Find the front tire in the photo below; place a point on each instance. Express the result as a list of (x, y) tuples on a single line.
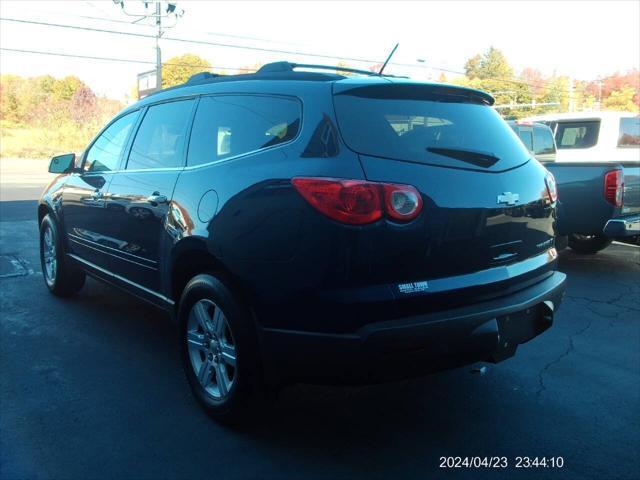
[(588, 244), (219, 352), (62, 277)]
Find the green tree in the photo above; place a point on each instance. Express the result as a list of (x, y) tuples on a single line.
[(9, 103), (65, 88), (472, 67), (495, 65), (557, 91), (178, 69), (621, 100), (491, 64)]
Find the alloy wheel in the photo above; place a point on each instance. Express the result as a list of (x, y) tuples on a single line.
[(211, 348), (49, 255)]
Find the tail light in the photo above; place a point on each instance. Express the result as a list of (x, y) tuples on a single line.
[(358, 202), (614, 187), (552, 187)]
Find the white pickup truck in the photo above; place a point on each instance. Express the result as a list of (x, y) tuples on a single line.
[(597, 168)]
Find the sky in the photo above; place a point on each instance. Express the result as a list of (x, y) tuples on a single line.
[(582, 39)]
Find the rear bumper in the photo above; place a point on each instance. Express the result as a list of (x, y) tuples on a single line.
[(623, 227), (416, 345)]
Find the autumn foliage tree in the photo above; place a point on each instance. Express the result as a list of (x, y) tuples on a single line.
[(490, 71), (491, 64), (42, 116), (178, 69)]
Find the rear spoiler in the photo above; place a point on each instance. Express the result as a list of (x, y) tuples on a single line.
[(397, 89)]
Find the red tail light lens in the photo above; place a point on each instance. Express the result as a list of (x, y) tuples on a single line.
[(614, 187), (552, 187), (358, 202), (355, 202)]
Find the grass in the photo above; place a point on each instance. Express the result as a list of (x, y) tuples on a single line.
[(35, 142)]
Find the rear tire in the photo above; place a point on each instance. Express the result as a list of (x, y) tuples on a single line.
[(61, 276), (219, 351), (588, 244)]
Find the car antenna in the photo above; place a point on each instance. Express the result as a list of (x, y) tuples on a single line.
[(388, 58)]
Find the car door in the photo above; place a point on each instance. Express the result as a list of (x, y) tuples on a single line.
[(83, 201), (139, 196)]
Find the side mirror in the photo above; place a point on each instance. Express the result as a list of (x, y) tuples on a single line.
[(63, 163)]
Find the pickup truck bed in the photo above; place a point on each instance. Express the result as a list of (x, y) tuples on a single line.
[(583, 210)]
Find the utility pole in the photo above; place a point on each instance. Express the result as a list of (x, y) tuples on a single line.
[(599, 82), (170, 11), (571, 103), (158, 53)]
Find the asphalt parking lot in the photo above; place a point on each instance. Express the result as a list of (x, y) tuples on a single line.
[(91, 387)]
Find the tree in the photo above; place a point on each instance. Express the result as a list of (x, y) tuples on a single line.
[(557, 90), (491, 64), (9, 103), (442, 78), (621, 100), (83, 105), (617, 81), (472, 67), (65, 88), (534, 78), (178, 69)]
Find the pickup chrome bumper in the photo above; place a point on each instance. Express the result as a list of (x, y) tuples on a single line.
[(623, 227)]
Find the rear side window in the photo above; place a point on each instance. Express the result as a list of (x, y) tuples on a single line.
[(230, 125), (577, 134), (543, 141), (104, 154), (629, 132), (160, 140), (424, 126), (527, 138)]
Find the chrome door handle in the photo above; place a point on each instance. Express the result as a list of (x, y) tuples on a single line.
[(155, 197)]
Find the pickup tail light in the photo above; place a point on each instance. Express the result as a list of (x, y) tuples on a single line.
[(359, 202), (614, 187), (552, 187)]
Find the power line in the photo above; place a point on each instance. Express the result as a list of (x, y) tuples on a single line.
[(122, 60), (262, 49), (111, 59)]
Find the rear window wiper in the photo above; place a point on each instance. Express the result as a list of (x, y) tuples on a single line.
[(474, 157)]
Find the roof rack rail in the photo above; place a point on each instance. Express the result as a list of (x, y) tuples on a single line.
[(200, 77), (277, 67)]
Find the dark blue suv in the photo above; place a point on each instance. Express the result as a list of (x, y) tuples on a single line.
[(307, 226)]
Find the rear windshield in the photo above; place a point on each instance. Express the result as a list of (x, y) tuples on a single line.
[(629, 132), (426, 128), (577, 134)]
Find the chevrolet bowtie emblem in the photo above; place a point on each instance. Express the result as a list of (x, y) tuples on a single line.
[(508, 198)]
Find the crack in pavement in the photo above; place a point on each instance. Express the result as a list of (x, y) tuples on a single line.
[(630, 291), (570, 348), (611, 302)]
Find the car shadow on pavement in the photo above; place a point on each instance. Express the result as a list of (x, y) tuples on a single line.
[(302, 416)]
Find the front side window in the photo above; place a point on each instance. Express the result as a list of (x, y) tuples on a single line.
[(577, 134), (104, 154), (543, 141), (629, 132), (230, 125), (160, 140)]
